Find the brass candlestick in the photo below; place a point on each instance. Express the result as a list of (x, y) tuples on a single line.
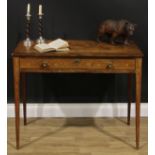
[(40, 40), (27, 41)]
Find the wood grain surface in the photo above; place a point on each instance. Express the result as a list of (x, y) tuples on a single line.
[(77, 136), (84, 48), (75, 65)]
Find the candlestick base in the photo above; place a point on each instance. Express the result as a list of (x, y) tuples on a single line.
[(27, 42), (40, 40)]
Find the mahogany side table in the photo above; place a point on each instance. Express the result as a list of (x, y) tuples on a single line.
[(84, 57)]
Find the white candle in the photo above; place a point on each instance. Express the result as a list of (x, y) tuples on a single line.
[(28, 8), (40, 9)]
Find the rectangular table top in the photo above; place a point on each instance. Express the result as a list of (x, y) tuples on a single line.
[(84, 48)]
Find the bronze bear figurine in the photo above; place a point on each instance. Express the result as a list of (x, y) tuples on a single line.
[(121, 28)]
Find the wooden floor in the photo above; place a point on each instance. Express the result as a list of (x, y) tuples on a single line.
[(77, 136)]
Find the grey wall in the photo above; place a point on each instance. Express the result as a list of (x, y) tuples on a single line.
[(77, 19)]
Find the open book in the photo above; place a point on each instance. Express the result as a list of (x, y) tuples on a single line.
[(56, 45)]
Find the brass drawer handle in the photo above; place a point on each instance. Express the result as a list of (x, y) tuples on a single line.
[(109, 66), (77, 61), (44, 65)]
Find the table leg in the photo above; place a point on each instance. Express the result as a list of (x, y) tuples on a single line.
[(138, 98), (17, 98), (24, 96), (129, 97)]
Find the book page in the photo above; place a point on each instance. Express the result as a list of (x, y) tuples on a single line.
[(63, 50), (59, 43), (43, 46)]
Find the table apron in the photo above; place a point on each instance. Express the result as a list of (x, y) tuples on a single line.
[(60, 65)]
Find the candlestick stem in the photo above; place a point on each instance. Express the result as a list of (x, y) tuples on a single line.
[(40, 40), (27, 41)]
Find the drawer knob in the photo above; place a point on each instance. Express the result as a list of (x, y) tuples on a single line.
[(109, 66), (77, 61), (44, 65)]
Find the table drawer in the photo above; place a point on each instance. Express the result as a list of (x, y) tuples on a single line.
[(106, 65)]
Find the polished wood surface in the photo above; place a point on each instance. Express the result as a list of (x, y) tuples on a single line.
[(78, 136), (84, 49), (83, 57), (75, 64), (16, 71), (138, 98)]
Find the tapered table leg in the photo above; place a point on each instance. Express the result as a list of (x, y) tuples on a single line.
[(17, 98), (138, 98), (24, 97), (129, 97)]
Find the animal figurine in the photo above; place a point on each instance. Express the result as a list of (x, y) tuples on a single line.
[(115, 29)]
